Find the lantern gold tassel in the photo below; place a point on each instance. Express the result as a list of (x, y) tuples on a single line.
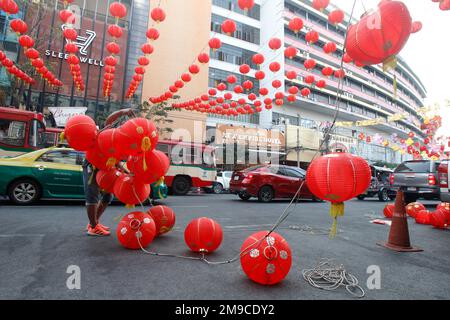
[(145, 146), (130, 206), (111, 163), (62, 137), (336, 210)]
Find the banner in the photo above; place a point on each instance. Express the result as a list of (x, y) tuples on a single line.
[(62, 114)]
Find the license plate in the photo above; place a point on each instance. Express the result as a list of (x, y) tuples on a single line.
[(236, 178), (412, 189)]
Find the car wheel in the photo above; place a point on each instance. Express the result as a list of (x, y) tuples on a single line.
[(181, 186), (361, 197), (383, 195), (218, 188), (24, 192), (244, 196), (265, 194), (410, 198)]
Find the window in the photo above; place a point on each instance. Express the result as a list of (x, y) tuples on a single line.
[(37, 137), (243, 31), (416, 166), (63, 157), (293, 173), (12, 133)]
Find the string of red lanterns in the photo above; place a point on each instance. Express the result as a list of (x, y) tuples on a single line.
[(14, 70)]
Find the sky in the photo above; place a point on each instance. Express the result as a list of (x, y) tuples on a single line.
[(427, 52)]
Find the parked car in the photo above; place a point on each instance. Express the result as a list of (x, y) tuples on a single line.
[(417, 178), (267, 182), (380, 185), (444, 181)]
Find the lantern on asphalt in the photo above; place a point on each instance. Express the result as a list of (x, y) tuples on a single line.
[(136, 230), (203, 235)]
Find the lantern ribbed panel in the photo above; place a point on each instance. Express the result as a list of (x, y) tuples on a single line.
[(381, 35), (338, 177)]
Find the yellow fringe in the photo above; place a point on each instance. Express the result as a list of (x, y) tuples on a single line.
[(146, 145), (111, 163), (130, 206), (62, 137), (336, 210)]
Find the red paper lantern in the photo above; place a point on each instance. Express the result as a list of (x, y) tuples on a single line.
[(158, 15), (413, 208), (80, 132), (136, 230), (336, 16), (290, 52), (327, 71), (18, 26), (248, 85), (309, 79), (296, 24), (389, 210), (107, 178), (26, 41), (330, 47), (67, 16), (312, 37), (143, 61), (32, 53), (137, 135), (164, 218), (215, 43), (229, 27), (157, 163), (291, 75), (310, 64), (9, 6), (445, 207), (293, 90), (438, 219), (129, 191), (203, 235), (109, 144), (263, 91), (320, 4), (423, 217), (274, 67), (221, 86), (305, 92), (444, 5), (113, 48), (246, 4), (258, 59), (380, 35), (147, 48), (231, 79), (275, 44), (338, 177), (340, 74), (260, 75), (118, 10), (152, 34), (244, 69), (276, 84), (266, 259), (321, 84), (203, 58), (111, 61)]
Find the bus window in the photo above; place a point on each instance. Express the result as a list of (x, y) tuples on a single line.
[(163, 148), (36, 138), (12, 133)]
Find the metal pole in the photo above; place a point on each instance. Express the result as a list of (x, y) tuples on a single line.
[(298, 140)]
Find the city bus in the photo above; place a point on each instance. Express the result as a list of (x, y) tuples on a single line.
[(24, 131)]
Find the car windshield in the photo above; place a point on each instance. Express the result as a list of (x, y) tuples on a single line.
[(414, 166), (254, 168)]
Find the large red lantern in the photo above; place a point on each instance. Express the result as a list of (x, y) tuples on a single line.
[(118, 10), (388, 210), (164, 218), (107, 178), (423, 217), (413, 208), (81, 132), (203, 235), (296, 24), (138, 136), (338, 177), (109, 143), (380, 35), (129, 191), (438, 219), (157, 166), (136, 230), (229, 27), (18, 26), (26, 41), (266, 259), (158, 15)]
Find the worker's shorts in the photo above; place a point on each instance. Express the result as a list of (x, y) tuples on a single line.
[(91, 189)]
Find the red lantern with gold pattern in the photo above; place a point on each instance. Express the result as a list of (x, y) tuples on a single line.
[(423, 217), (203, 235), (129, 191), (137, 136), (338, 177), (136, 230), (107, 178), (157, 166), (80, 132), (413, 208), (164, 218), (438, 219), (109, 143), (266, 259)]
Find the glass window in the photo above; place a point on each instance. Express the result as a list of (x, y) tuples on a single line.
[(37, 138), (243, 31), (63, 157), (414, 166), (12, 133), (293, 173)]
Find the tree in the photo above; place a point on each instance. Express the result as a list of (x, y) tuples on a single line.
[(159, 114)]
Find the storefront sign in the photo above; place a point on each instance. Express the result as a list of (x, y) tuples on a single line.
[(62, 115), (226, 134)]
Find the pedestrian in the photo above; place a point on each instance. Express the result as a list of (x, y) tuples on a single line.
[(98, 201)]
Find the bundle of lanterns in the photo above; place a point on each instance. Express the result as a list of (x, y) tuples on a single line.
[(14, 70)]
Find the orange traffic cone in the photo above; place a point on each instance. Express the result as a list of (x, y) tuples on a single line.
[(399, 233)]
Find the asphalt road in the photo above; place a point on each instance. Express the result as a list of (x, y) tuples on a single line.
[(39, 243)]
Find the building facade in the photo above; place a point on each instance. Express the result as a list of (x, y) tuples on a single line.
[(368, 91)]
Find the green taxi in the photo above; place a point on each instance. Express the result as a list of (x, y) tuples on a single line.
[(51, 173)]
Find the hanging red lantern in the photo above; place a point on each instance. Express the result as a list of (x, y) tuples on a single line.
[(80, 132), (258, 59), (305, 92), (340, 73), (113, 48), (37, 63), (129, 191), (293, 90), (136, 230), (147, 48), (71, 48), (296, 24), (444, 5), (291, 75), (330, 47), (246, 4), (221, 86), (157, 165), (260, 75), (266, 259), (291, 98), (274, 67), (215, 43), (109, 144), (290, 52), (107, 178), (309, 79), (152, 34), (18, 26), (229, 27), (203, 235), (444, 206), (67, 16), (389, 211), (137, 136), (336, 16), (111, 61), (263, 91), (310, 64), (164, 218), (275, 44), (423, 217), (327, 71), (9, 6), (231, 79), (321, 84), (244, 69), (186, 77), (194, 69), (312, 37), (338, 177), (320, 4), (276, 84), (158, 15), (118, 10), (32, 53), (413, 208), (143, 61), (203, 58), (372, 44), (26, 41)]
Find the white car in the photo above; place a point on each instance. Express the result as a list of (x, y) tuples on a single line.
[(222, 181)]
